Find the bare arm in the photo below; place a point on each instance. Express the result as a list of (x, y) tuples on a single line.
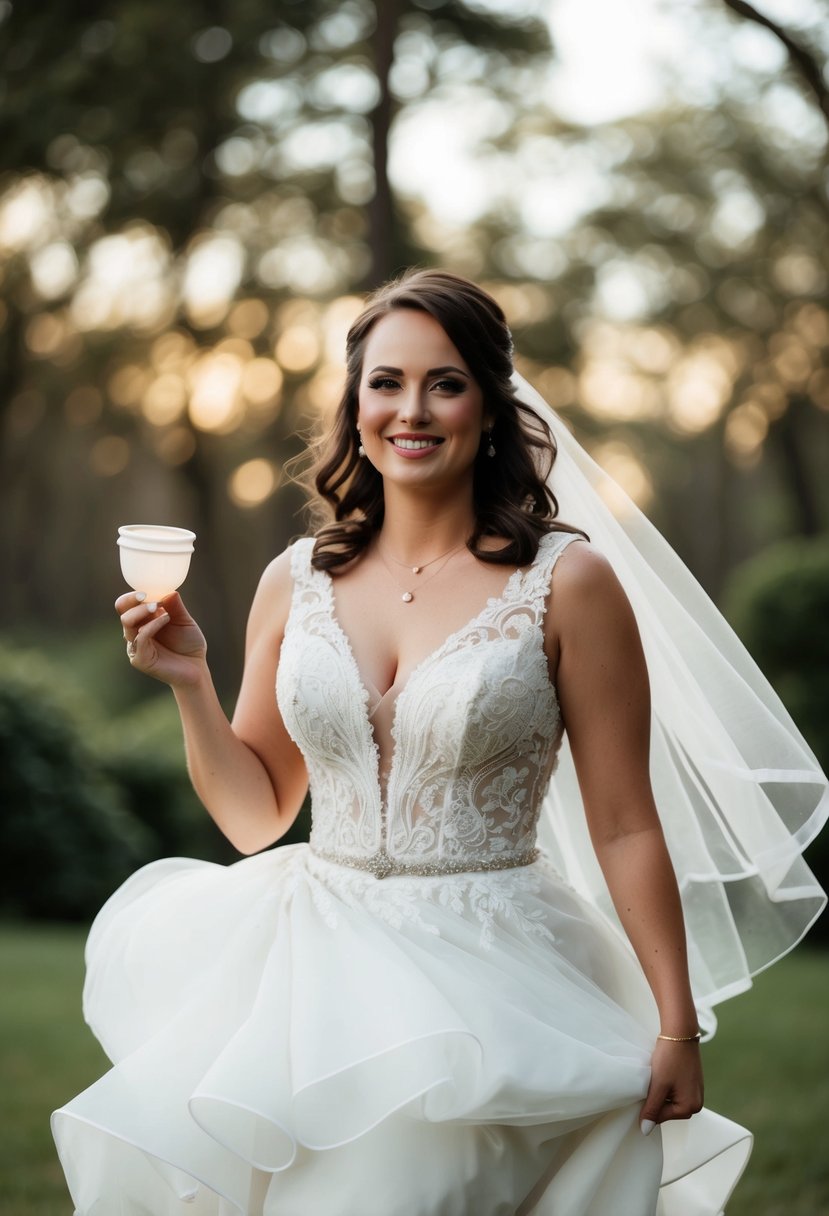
[(605, 702), (249, 775)]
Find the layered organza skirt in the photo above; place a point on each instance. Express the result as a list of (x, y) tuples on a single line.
[(291, 1037)]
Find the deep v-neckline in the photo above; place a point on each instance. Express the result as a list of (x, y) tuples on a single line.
[(494, 601), (383, 781)]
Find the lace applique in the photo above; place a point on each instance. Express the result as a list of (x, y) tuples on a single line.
[(492, 900), (475, 732)]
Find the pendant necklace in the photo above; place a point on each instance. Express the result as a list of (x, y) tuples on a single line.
[(408, 593), (424, 565)]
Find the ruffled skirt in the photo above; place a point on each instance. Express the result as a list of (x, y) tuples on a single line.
[(294, 1038)]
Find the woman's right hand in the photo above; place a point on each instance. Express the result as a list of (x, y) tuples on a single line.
[(162, 639)]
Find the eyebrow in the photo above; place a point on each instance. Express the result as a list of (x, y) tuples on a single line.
[(433, 371)]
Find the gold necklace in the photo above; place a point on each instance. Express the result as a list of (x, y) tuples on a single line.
[(408, 593), (423, 565)]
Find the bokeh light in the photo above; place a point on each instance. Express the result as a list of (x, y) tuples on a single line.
[(253, 482)]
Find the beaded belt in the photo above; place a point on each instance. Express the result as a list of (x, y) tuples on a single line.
[(381, 865)]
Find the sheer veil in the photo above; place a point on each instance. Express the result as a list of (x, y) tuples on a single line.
[(739, 791)]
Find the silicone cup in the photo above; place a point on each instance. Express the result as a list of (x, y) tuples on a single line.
[(154, 558)]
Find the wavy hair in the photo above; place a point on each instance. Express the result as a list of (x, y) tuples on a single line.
[(511, 495)]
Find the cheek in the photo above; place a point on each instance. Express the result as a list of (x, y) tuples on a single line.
[(466, 415), (371, 413)]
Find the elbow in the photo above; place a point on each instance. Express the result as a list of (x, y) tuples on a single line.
[(248, 846), (249, 850), (254, 838), (256, 835)]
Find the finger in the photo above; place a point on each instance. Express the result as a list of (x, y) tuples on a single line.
[(174, 605), (155, 625), (653, 1109), (139, 650), (678, 1109), (128, 600), (134, 618)]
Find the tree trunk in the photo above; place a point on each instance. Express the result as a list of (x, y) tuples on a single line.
[(790, 440), (381, 216)]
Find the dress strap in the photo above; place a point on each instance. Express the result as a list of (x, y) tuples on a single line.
[(309, 585), (535, 586), (301, 569)]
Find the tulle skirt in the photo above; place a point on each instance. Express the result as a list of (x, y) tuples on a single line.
[(291, 1037)]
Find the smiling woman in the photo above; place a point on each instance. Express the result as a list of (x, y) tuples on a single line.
[(428, 412), (457, 368), (422, 981)]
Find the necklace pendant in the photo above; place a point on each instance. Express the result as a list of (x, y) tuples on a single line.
[(407, 597), (416, 569)]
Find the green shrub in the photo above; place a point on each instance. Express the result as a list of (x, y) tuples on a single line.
[(143, 753), (779, 605), (66, 839)]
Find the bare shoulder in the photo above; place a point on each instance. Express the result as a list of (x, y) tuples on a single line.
[(277, 577), (582, 572), (272, 601), (587, 591)]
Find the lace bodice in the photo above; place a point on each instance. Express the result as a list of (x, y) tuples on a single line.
[(475, 732)]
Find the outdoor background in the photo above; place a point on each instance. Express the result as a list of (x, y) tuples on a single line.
[(193, 197)]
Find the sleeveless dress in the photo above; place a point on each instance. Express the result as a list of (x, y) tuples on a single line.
[(413, 1014)]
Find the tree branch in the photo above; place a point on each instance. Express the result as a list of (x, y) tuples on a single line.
[(800, 57)]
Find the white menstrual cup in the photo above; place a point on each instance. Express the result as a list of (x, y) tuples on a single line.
[(155, 559)]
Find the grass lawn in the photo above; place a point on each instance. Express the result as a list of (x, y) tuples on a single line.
[(768, 1068), (47, 1055)]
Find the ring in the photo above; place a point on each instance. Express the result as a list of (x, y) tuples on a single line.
[(132, 649)]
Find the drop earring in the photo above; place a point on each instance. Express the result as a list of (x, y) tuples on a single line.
[(361, 451), (490, 449)]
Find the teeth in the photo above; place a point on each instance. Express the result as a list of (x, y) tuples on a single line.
[(414, 444)]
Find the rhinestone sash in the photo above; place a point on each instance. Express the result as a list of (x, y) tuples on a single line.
[(381, 865)]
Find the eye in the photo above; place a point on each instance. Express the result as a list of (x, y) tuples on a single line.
[(383, 382), (449, 385)]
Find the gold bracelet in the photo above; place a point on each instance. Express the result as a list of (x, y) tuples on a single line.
[(681, 1038)]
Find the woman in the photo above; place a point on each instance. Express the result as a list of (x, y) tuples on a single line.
[(415, 1014)]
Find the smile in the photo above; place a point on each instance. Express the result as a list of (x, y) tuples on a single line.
[(414, 445)]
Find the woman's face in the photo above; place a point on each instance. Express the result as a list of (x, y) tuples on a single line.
[(420, 413)]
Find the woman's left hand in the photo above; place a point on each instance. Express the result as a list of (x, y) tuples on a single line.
[(676, 1089)]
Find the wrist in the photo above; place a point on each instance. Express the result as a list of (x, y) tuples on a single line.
[(194, 682)]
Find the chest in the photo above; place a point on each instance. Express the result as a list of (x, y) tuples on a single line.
[(391, 635), (488, 678)]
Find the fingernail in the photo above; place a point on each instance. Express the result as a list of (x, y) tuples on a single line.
[(152, 607), (141, 596), (647, 1126)]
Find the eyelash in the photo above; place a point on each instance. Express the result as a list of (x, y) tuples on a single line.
[(453, 386)]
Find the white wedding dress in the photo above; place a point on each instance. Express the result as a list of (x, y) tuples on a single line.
[(414, 1014)]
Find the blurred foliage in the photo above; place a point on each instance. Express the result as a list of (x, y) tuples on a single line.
[(191, 199), (142, 754), (66, 839), (712, 249), (185, 196), (90, 788), (778, 602)]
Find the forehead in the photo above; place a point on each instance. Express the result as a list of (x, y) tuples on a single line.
[(406, 338)]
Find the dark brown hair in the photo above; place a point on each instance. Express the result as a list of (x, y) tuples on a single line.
[(511, 496)]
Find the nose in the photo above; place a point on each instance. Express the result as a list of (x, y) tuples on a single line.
[(414, 406)]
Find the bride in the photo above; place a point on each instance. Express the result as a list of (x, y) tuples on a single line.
[(417, 1013)]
